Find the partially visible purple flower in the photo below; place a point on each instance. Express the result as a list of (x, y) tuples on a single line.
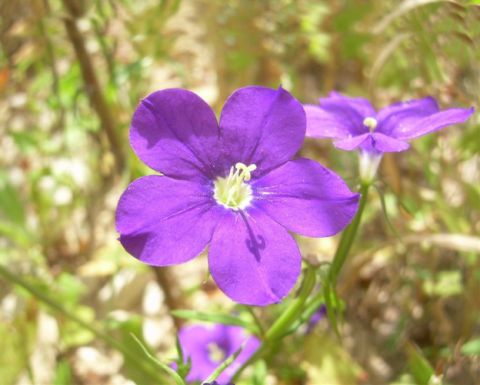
[(232, 185), (216, 383), (316, 318), (354, 124), (208, 347)]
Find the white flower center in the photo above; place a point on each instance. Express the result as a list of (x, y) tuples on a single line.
[(231, 191), (215, 353), (371, 123)]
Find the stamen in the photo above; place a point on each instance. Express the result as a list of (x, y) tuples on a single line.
[(215, 353), (247, 170), (371, 123), (231, 191)]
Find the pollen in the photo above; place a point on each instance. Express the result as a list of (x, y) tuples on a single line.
[(231, 191), (370, 122)]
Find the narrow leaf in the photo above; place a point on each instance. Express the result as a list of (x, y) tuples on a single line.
[(178, 380)]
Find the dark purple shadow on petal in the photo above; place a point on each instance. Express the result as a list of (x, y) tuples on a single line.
[(253, 259), (255, 243), (134, 243)]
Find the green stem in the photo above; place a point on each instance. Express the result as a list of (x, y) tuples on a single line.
[(341, 254), (292, 312), (283, 323), (147, 369), (347, 238)]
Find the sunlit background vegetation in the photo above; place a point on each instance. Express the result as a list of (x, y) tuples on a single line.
[(71, 74)]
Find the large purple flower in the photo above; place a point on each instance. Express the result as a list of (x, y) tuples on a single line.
[(354, 124), (208, 347), (231, 184)]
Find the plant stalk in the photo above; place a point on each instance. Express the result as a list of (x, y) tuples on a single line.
[(39, 295)]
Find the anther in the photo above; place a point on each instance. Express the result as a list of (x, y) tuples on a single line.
[(370, 122)]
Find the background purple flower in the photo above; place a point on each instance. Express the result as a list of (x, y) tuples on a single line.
[(354, 124), (216, 383), (231, 184), (316, 318), (208, 347)]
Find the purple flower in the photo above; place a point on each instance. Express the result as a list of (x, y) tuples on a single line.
[(232, 185), (354, 124), (208, 347), (316, 318), (216, 383)]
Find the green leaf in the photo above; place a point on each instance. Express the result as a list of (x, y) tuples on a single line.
[(444, 284), (178, 380), (419, 366), (471, 348), (260, 373), (10, 204), (137, 347), (225, 364), (63, 374)]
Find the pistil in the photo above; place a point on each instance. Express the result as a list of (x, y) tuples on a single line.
[(371, 123), (232, 191)]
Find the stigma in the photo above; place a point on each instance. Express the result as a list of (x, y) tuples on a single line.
[(231, 191), (371, 123)]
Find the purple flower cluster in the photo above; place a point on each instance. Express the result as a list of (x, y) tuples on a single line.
[(232, 185), (208, 347), (235, 186)]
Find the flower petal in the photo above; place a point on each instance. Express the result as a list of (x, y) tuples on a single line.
[(352, 143), (432, 123), (253, 259), (384, 143), (262, 126), (306, 198), (175, 132), (194, 341), (361, 105), (324, 124), (237, 337), (164, 221), (394, 118)]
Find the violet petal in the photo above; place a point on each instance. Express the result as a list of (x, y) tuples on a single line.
[(361, 105), (253, 259), (354, 142), (325, 124), (262, 126), (432, 123), (164, 221), (176, 133), (195, 341), (306, 198), (391, 119), (384, 143)]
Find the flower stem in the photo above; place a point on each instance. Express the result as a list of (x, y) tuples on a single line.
[(278, 329), (293, 311), (347, 238)]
